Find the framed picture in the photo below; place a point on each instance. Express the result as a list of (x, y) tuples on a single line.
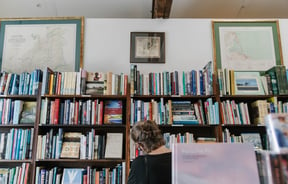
[(248, 83), (246, 45), (27, 44), (147, 47)]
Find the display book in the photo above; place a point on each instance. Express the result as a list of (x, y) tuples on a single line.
[(214, 163)]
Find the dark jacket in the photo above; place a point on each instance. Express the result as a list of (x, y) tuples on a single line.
[(151, 169)]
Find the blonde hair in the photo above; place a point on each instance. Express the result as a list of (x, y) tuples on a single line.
[(147, 134)]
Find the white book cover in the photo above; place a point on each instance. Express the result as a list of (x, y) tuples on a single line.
[(214, 163), (114, 145), (277, 131)]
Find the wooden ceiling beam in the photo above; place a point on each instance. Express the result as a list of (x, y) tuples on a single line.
[(161, 8)]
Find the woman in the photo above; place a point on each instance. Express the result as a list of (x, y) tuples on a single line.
[(154, 166)]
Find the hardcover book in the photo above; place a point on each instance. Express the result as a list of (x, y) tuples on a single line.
[(277, 131), (95, 83), (114, 145), (71, 145), (253, 139), (28, 114), (214, 163), (113, 111)]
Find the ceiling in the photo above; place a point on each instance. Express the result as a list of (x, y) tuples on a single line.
[(143, 8)]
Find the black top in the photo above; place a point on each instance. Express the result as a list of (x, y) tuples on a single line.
[(158, 167)]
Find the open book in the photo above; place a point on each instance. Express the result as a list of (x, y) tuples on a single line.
[(214, 163)]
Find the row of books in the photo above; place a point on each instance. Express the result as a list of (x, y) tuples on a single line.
[(114, 175), (17, 111), (235, 113), (20, 84), (80, 112), (18, 174), (252, 138), (171, 138), (161, 111), (261, 108), (16, 144), (83, 82), (270, 82), (194, 82), (101, 83), (78, 145)]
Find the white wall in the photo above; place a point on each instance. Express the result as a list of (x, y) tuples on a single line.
[(188, 43)]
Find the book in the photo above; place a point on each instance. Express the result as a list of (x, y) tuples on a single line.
[(259, 109), (214, 163), (71, 145), (277, 131), (279, 79), (113, 111), (95, 83), (252, 138), (28, 114), (72, 176), (114, 145)]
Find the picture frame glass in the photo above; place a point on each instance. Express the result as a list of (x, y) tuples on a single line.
[(28, 44), (244, 45), (147, 47)]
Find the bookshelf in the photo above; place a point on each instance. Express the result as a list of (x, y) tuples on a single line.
[(137, 104), (45, 161), (73, 120), (19, 117)]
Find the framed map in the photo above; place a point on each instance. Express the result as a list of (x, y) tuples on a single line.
[(246, 45), (28, 44)]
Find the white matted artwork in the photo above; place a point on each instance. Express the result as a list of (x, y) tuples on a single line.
[(247, 45), (248, 83)]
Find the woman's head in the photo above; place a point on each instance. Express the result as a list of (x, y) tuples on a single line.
[(147, 135)]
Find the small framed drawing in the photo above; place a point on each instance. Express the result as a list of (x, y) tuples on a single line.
[(147, 47), (246, 45), (35, 43), (248, 83)]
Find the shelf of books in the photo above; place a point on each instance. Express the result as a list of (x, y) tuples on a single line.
[(83, 127), (251, 103), (182, 103), (64, 127), (19, 103), (58, 124)]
